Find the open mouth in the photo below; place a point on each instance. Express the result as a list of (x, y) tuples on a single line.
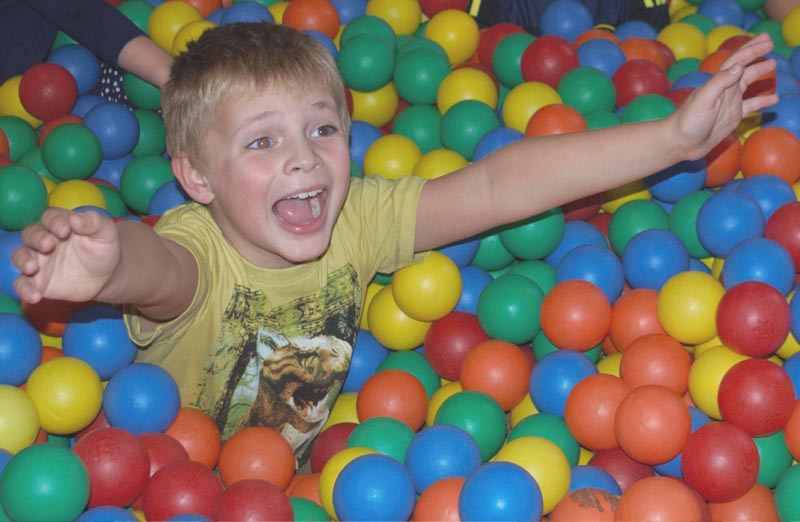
[(302, 208)]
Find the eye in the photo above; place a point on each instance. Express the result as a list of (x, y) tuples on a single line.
[(325, 130), (261, 143)]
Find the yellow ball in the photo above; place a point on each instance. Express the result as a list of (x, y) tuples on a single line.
[(403, 16), (344, 410), (682, 13), (68, 394), (610, 364), (466, 83), (439, 162), (719, 34), (330, 472), (76, 193), (10, 104), (437, 399), (277, 9), (685, 40), (456, 31), (524, 100), (391, 156), (789, 347), (706, 375), (19, 420), (524, 409), (615, 198), (167, 19), (375, 107), (546, 463), (428, 290), (49, 184), (585, 456), (687, 306), (392, 327), (676, 5), (188, 34), (790, 27), (699, 349), (372, 289)]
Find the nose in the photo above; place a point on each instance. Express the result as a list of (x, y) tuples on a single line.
[(301, 156)]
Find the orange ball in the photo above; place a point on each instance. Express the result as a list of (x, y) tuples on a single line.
[(771, 150), (575, 314), (205, 7), (258, 453), (637, 48), (791, 432), (305, 486), (48, 127), (557, 118), (314, 15), (393, 393), (591, 408), (656, 359), (439, 501), (591, 34), (50, 352), (634, 314), (652, 424), (713, 61), (198, 434), (585, 505), (659, 498), (756, 504), (499, 369), (722, 162)]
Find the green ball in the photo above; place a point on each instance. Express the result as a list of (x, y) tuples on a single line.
[(508, 308), (137, 11), (417, 365), (418, 74), (71, 151), (750, 5), (683, 221), (551, 427), (355, 170), (647, 107), (492, 255), (772, 27), (701, 21), (140, 93), (682, 67), (507, 58), (20, 134), (784, 50), (33, 160), (386, 435), (141, 178), (9, 305), (114, 202), (307, 511), (477, 414), (42, 483), (601, 119), (587, 89), (787, 501), (775, 458), (421, 124), (372, 25), (535, 237), (633, 217), (465, 123), (366, 62), (23, 197), (152, 135), (382, 279), (407, 43), (541, 273), (61, 39)]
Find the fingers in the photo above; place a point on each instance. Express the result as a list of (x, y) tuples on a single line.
[(757, 46)]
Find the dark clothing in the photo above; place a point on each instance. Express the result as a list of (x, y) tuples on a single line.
[(28, 28)]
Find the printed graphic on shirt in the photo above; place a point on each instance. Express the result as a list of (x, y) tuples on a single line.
[(281, 367)]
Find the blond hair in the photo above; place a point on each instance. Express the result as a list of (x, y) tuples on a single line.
[(231, 60)]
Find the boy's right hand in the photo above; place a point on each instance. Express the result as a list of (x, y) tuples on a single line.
[(68, 256)]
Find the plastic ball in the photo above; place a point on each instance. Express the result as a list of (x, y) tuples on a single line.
[(456, 31), (257, 452), (679, 180), (332, 470), (329, 442), (783, 227), (576, 315), (507, 55), (20, 349), (554, 377), (566, 18), (759, 259), (596, 265), (587, 89), (705, 377), (449, 340), (492, 255), (465, 123), (396, 394), (687, 306), (524, 100), (499, 369), (166, 197), (495, 140), (753, 318), (414, 363), (466, 83), (76, 193), (101, 513), (181, 488), (601, 54), (428, 290), (439, 501), (71, 151), (367, 354), (12, 106), (187, 34), (586, 505), (141, 94), (419, 73), (588, 476), (366, 62), (547, 59), (141, 397), (141, 178), (167, 19), (116, 128), (590, 408), (477, 414), (632, 218), (252, 499), (391, 156), (635, 78), (535, 237), (625, 470), (306, 509), (647, 107), (349, 9), (756, 504), (391, 326), (162, 449), (421, 124), (97, 335), (555, 119), (44, 482), (9, 242), (440, 452), (656, 359), (551, 427), (500, 491), (634, 314), (373, 487), (658, 498), (771, 150), (362, 136), (47, 91), (509, 308), (684, 40), (652, 257), (19, 419), (81, 63)]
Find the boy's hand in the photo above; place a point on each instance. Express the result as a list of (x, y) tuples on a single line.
[(714, 110), (69, 256)]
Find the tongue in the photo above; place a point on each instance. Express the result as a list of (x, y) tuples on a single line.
[(295, 211)]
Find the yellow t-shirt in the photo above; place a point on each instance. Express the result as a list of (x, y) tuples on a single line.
[(272, 347)]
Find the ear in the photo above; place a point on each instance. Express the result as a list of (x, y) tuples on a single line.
[(194, 182)]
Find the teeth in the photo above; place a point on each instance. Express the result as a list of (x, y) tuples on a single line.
[(306, 195)]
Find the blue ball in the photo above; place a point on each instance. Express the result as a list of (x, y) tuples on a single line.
[(82, 64), (588, 476), (111, 170), (494, 140), (325, 40), (500, 491), (596, 264), (373, 487), (791, 366), (785, 83), (677, 181), (99, 210), (9, 242), (247, 12), (635, 29), (368, 353), (106, 514), (168, 196), (20, 349), (216, 16), (672, 468), (693, 79), (794, 308), (141, 397), (785, 113), (85, 103), (652, 257), (770, 192), (726, 219), (759, 259), (188, 517), (97, 335), (722, 12), (698, 266), (473, 280), (576, 233), (554, 377), (566, 18), (439, 452), (362, 135), (5, 457), (602, 54), (794, 62), (115, 126), (463, 252), (349, 9)]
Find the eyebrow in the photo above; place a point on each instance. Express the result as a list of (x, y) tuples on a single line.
[(321, 105)]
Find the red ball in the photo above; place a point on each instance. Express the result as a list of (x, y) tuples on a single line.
[(431, 7), (783, 227), (757, 395), (448, 341), (48, 91), (253, 499), (635, 78), (582, 209), (313, 15), (547, 59), (329, 442), (625, 470), (4, 145), (720, 461), (179, 488), (753, 318), (396, 394), (491, 36), (162, 450), (118, 466), (575, 315)]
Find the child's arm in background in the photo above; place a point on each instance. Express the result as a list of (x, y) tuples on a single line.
[(534, 175), (85, 256)]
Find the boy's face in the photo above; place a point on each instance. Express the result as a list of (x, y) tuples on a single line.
[(279, 170)]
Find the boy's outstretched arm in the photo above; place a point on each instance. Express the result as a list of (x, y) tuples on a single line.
[(85, 256), (534, 175)]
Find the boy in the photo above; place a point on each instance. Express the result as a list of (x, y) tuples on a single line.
[(251, 295)]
